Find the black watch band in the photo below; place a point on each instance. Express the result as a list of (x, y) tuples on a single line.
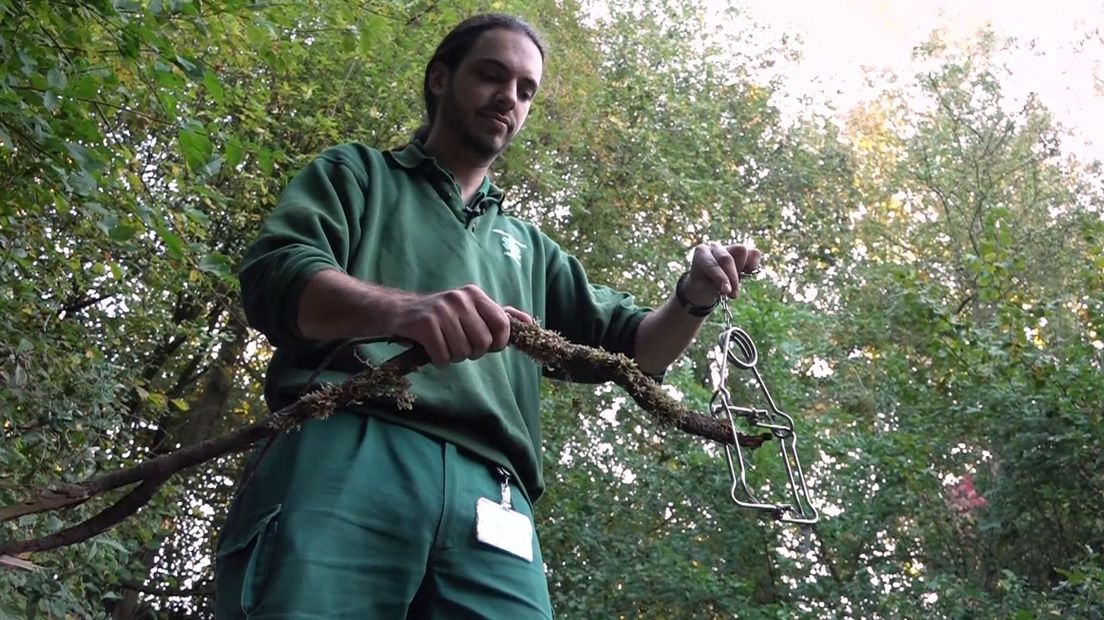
[(692, 309)]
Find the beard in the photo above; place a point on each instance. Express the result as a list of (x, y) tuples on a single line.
[(478, 142)]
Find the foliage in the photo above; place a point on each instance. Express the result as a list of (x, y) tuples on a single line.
[(931, 311)]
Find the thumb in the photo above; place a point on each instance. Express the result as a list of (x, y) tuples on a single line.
[(518, 315)]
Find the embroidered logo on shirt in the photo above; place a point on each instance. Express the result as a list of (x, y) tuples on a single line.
[(511, 246)]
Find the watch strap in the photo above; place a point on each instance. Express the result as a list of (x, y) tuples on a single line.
[(692, 309)]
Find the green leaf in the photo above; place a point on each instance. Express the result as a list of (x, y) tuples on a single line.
[(88, 159), (266, 158), (214, 87), (123, 232), (217, 264), (212, 167), (108, 223), (233, 152), (180, 404), (173, 243), (107, 541), (29, 65), (55, 78), (191, 67), (195, 146), (50, 100), (85, 86), (166, 76), (349, 42), (372, 31), (82, 183), (197, 216)]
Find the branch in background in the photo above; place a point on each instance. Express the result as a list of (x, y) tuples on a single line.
[(105, 520), (82, 302), (387, 380), (207, 589), (14, 562), (962, 306)]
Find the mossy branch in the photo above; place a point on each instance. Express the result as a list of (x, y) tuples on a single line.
[(386, 380)]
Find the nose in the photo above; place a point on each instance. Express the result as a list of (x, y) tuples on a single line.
[(506, 97)]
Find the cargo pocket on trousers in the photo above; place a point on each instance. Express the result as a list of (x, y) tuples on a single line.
[(249, 554)]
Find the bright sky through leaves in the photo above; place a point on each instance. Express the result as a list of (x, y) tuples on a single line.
[(845, 41)]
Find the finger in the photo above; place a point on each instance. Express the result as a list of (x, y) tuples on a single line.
[(479, 335), (704, 269), (487, 324), (433, 341), (754, 261), (739, 254), (454, 330), (520, 315), (493, 329), (726, 276)]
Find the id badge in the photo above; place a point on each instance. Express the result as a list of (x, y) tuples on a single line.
[(503, 528)]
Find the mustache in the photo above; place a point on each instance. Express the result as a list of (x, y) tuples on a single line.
[(494, 112)]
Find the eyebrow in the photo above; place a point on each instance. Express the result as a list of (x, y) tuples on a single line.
[(528, 82)]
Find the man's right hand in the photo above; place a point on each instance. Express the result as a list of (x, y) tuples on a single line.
[(452, 326), (455, 325)]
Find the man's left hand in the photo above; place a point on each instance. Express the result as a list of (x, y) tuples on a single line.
[(715, 270)]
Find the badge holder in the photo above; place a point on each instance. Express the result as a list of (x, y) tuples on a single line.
[(498, 525)]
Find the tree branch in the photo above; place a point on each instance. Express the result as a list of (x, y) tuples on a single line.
[(207, 589), (105, 520), (387, 380)]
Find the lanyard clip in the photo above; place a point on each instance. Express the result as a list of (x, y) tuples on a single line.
[(505, 476)]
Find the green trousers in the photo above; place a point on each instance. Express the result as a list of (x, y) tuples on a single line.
[(352, 517)]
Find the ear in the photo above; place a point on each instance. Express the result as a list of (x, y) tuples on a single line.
[(438, 78)]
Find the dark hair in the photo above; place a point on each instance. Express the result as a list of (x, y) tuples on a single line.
[(455, 47)]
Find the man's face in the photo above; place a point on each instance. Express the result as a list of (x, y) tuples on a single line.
[(485, 101)]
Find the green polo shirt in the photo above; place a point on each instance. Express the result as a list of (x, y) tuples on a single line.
[(396, 219)]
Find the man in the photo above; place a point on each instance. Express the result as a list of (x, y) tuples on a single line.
[(381, 513)]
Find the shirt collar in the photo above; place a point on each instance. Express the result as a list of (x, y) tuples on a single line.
[(414, 155), (410, 156)]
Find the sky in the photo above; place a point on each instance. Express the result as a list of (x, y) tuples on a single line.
[(1062, 56)]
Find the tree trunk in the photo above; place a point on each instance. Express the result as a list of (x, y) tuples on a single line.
[(200, 423)]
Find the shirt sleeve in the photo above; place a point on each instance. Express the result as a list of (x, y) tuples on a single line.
[(587, 313), (314, 226)]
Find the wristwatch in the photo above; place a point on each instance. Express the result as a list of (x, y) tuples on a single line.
[(692, 309)]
